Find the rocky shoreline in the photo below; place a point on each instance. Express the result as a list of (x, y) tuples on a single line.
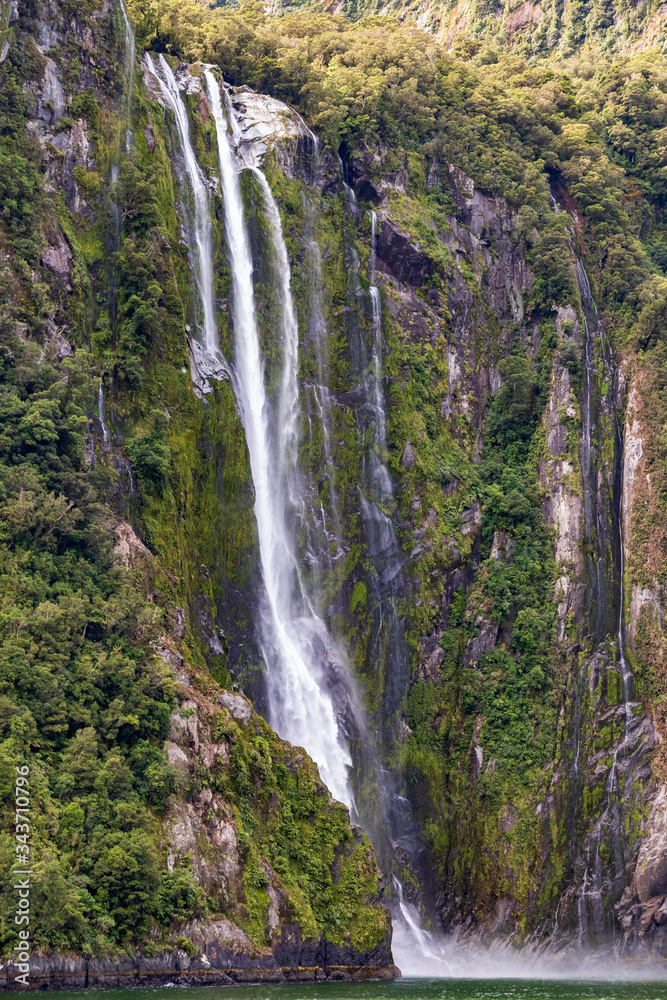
[(323, 962)]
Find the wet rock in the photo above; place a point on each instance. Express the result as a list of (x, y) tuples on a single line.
[(480, 644), (409, 456), (58, 259), (150, 138), (650, 878), (400, 257)]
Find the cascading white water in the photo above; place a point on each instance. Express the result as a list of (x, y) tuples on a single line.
[(289, 389), (128, 72), (417, 952), (200, 229), (102, 414), (292, 634)]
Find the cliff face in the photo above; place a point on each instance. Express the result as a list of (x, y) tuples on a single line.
[(531, 29), (478, 525)]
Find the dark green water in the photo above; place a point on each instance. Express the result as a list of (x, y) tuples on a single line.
[(404, 989)]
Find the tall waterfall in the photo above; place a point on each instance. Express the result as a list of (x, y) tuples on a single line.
[(199, 227), (379, 470), (128, 74), (331, 546), (295, 642), (602, 858)]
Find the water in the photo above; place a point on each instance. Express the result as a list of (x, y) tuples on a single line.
[(321, 395), (289, 389), (200, 228), (416, 951), (102, 414), (626, 672), (128, 74), (505, 988), (379, 471), (602, 518), (295, 644)]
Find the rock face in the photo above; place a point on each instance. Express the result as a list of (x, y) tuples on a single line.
[(522, 26), (229, 957), (263, 123)]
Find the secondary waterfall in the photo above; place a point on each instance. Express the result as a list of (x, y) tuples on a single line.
[(102, 414), (379, 470), (199, 228), (295, 643), (602, 858), (128, 74)]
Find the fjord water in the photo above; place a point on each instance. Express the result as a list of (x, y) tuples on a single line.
[(406, 989)]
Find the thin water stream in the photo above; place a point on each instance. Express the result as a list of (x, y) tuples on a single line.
[(199, 227), (102, 413), (128, 75), (599, 880)]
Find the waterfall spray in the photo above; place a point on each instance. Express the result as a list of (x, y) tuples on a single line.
[(295, 643)]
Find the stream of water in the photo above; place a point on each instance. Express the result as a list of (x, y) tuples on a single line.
[(199, 227), (295, 642), (601, 879), (128, 74)]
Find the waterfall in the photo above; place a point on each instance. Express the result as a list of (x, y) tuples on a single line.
[(626, 673), (416, 951), (589, 311), (295, 644), (102, 413), (601, 518), (128, 74), (379, 470), (199, 232), (320, 391), (289, 390)]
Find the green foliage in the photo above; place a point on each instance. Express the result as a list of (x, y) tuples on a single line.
[(151, 458), (291, 832), (179, 898), (83, 700)]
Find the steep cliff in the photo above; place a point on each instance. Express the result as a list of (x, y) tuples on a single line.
[(458, 303)]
